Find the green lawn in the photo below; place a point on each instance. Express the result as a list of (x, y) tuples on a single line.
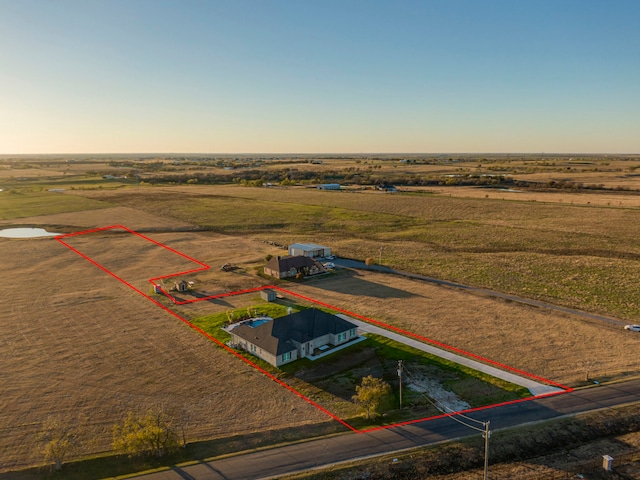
[(212, 324)]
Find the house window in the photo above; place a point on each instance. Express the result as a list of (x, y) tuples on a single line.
[(342, 336), (286, 357), (352, 332), (253, 348)]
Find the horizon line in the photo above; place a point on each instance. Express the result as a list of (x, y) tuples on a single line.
[(351, 154)]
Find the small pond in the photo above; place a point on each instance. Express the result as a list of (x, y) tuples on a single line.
[(26, 233)]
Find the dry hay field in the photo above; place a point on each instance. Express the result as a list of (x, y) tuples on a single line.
[(77, 343), (609, 199), (551, 344), (580, 255), (547, 343)]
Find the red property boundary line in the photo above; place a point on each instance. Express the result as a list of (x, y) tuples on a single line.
[(184, 320), (204, 266)]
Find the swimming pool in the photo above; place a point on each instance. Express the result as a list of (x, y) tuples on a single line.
[(258, 321)]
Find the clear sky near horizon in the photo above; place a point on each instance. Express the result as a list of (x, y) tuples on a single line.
[(352, 76)]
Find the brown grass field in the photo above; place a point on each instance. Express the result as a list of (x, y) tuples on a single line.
[(76, 342), (579, 255)]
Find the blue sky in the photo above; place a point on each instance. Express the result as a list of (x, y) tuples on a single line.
[(250, 76)]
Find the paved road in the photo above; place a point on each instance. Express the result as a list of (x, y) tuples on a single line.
[(536, 388), (343, 262), (306, 455)]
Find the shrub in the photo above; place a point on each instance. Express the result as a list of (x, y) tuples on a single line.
[(150, 434)]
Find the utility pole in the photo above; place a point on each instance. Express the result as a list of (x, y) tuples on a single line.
[(380, 255), (400, 377), (486, 434)]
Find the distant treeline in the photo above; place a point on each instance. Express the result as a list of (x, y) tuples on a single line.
[(364, 177), (352, 177)]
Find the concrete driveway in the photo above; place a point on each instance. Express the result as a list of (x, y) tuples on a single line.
[(536, 388)]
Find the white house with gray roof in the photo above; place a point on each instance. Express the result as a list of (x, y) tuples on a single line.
[(298, 335)]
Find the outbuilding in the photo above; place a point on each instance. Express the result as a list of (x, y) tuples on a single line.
[(309, 250), (268, 295)]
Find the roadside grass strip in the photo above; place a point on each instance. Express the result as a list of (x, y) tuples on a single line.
[(157, 283)]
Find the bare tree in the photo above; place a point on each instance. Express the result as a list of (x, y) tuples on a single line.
[(182, 417), (588, 364)]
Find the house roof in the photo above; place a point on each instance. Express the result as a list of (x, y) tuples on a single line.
[(278, 336), (284, 264)]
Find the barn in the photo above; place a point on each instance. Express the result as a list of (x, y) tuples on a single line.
[(329, 186), (309, 250)]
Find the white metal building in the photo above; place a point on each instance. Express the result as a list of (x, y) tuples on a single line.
[(309, 250)]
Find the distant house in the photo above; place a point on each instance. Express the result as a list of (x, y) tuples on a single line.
[(329, 186), (286, 267), (299, 335), (386, 187), (309, 250)]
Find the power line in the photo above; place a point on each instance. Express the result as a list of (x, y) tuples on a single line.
[(486, 433), (443, 408)]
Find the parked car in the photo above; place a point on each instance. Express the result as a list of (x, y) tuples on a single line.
[(330, 257), (329, 265), (632, 328)]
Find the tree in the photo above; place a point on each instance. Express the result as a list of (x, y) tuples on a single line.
[(588, 364), (370, 393), (181, 421), (151, 434), (60, 438)]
